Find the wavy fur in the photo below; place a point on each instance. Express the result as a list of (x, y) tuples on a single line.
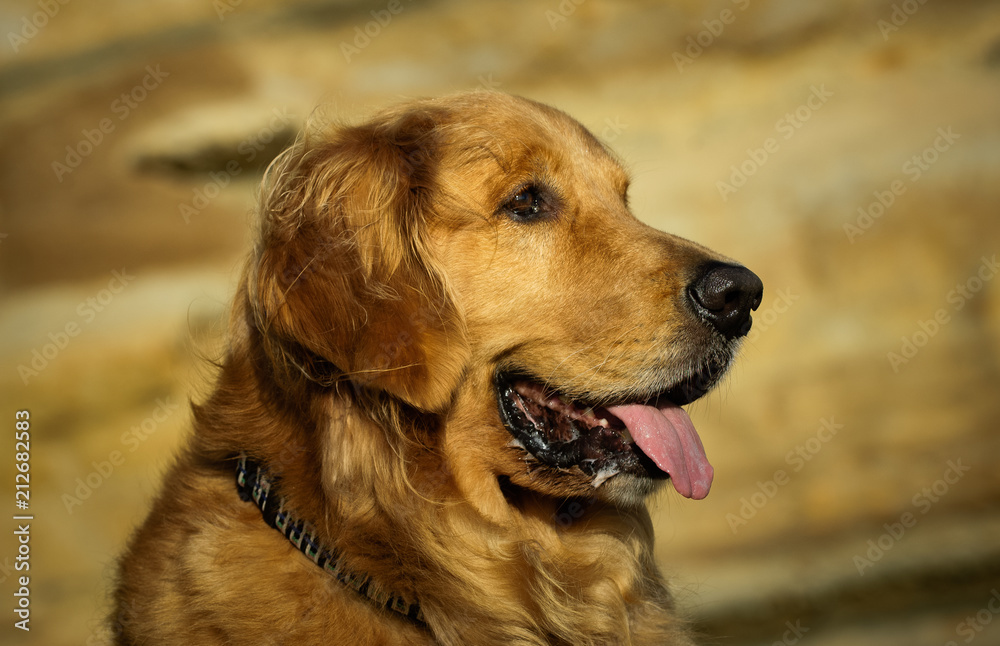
[(384, 291)]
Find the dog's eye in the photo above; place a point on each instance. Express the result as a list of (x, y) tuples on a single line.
[(526, 205)]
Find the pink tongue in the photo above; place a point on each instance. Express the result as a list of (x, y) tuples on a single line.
[(667, 436)]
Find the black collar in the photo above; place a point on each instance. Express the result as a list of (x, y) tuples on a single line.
[(253, 483)]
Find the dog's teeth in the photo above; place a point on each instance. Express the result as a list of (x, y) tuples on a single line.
[(603, 422), (588, 412), (626, 436), (602, 476)]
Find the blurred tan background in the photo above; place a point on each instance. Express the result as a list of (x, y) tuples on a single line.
[(847, 151)]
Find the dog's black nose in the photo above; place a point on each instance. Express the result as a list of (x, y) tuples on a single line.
[(724, 295)]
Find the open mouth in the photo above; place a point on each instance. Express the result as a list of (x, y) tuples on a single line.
[(650, 437)]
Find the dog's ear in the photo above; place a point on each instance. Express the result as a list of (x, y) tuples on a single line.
[(341, 280)]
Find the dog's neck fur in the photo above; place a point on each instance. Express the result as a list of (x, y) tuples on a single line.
[(323, 441)]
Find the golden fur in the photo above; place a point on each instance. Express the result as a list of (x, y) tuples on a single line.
[(384, 293)]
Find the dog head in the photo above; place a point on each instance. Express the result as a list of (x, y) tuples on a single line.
[(474, 259)]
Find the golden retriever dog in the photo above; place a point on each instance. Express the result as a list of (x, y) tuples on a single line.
[(454, 375)]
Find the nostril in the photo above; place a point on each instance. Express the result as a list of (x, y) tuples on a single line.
[(724, 295)]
